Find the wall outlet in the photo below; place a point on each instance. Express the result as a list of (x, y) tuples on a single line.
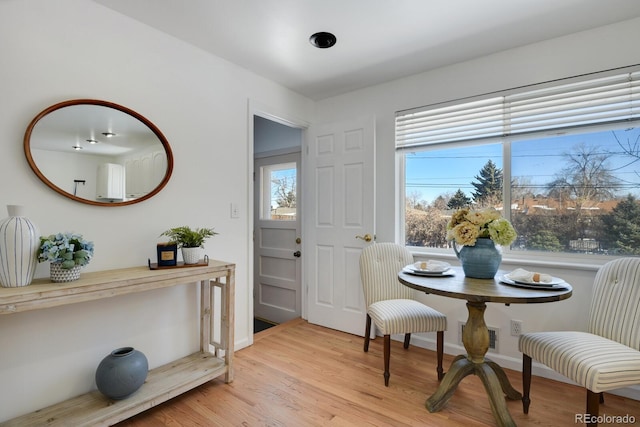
[(516, 327)]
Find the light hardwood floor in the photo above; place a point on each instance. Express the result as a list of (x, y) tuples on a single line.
[(298, 374)]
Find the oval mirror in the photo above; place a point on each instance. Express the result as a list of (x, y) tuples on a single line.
[(98, 152)]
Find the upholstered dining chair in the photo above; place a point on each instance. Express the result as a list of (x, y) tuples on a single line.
[(390, 304), (608, 355)]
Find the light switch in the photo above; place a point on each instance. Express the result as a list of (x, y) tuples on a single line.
[(235, 211)]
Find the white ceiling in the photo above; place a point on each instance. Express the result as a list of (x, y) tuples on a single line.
[(378, 40)]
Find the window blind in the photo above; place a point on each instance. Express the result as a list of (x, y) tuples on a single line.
[(600, 100)]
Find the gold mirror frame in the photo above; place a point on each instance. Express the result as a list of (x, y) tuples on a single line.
[(107, 104)]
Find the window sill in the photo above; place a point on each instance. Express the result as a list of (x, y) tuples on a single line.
[(525, 259)]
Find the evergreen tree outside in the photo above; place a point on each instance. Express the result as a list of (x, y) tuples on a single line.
[(459, 200), (622, 227), (488, 188), (544, 240)]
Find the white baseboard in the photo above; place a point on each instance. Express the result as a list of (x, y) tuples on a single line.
[(515, 364)]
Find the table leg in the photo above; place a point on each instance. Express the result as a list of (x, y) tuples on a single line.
[(476, 341), (460, 368), (507, 388), (496, 399)]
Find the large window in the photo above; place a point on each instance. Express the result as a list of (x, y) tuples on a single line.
[(567, 174)]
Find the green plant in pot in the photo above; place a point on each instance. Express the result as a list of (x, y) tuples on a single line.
[(191, 241)]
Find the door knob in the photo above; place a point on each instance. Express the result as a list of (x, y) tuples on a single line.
[(297, 254), (367, 237)]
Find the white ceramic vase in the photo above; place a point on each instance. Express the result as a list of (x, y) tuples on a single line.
[(19, 241), (192, 255)]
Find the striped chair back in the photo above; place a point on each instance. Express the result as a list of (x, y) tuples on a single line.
[(380, 264), (615, 307)]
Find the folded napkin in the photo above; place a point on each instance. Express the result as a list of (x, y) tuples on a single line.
[(520, 274), (431, 265)]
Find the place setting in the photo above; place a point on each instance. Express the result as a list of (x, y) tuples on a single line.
[(522, 278), (429, 268)]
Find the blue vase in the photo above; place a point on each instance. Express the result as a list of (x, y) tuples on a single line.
[(122, 373), (481, 261)]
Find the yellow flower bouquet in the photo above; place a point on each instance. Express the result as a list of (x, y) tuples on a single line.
[(466, 226)]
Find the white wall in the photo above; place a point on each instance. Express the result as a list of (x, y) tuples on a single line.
[(54, 51), (591, 51), (270, 137)]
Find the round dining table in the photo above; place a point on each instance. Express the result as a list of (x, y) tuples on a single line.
[(475, 336)]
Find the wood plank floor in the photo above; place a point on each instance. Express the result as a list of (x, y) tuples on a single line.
[(298, 374)]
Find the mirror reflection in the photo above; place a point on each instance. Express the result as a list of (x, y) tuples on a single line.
[(98, 152)]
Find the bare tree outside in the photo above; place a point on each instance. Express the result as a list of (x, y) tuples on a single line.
[(284, 191), (586, 178)]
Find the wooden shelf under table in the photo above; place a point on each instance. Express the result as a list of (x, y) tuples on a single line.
[(162, 384)]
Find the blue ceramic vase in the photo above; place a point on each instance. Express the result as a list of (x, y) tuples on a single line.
[(122, 373), (481, 261)]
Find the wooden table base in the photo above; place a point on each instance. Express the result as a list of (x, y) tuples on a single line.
[(476, 341)]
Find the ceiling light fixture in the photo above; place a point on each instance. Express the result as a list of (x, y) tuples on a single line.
[(322, 40), (77, 147), (92, 141), (109, 134)]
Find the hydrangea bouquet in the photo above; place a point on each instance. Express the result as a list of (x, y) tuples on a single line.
[(69, 249), (466, 226)]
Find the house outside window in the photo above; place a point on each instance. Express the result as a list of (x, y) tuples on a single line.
[(561, 162)]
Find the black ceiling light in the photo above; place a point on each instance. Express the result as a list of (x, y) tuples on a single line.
[(322, 40)]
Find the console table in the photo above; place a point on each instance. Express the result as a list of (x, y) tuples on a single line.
[(214, 358)]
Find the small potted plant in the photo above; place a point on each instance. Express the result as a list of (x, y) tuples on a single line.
[(67, 252), (191, 241)]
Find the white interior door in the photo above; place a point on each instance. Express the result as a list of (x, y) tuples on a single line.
[(277, 244), (341, 206)]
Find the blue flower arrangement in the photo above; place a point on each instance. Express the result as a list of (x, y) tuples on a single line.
[(69, 249)]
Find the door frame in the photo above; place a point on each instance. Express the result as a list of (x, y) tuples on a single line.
[(255, 108)]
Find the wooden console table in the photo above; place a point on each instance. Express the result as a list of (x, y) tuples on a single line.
[(215, 358)]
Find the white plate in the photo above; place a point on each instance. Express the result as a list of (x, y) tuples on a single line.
[(554, 281), (408, 269), (556, 284), (432, 266)]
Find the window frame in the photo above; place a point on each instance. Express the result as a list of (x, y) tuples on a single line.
[(529, 257), (266, 190)]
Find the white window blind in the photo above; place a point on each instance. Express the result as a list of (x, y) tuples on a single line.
[(600, 100)]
